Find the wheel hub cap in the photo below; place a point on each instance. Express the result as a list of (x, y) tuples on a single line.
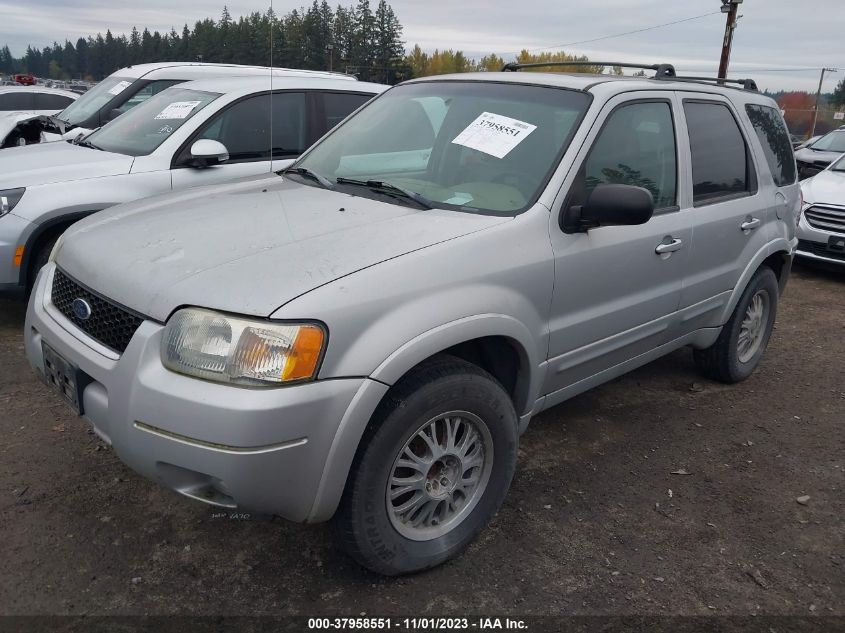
[(439, 475), (753, 328)]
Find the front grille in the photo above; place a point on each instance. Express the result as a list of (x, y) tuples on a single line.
[(110, 324), (826, 218), (820, 249)]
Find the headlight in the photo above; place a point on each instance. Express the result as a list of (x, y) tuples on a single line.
[(228, 349), (9, 198)]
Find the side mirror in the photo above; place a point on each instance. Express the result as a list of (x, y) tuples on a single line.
[(207, 153), (609, 205)]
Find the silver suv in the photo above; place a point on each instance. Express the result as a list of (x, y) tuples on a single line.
[(365, 335)]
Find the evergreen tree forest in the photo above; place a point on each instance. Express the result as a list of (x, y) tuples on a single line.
[(359, 38), (362, 39)]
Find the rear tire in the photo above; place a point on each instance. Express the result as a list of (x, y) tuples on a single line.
[(432, 469), (744, 338)]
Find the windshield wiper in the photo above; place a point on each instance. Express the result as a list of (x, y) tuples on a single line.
[(84, 143), (307, 173), (390, 190)]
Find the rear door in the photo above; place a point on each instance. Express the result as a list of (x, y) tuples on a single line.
[(731, 211)]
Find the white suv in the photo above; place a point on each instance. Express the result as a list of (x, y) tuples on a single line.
[(195, 133), (128, 87)]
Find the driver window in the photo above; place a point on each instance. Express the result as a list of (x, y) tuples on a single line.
[(244, 128), (637, 147)]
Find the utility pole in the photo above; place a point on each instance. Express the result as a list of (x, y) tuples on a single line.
[(818, 100), (730, 7)]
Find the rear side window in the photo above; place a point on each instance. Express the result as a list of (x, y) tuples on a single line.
[(12, 101), (340, 105), (636, 146), (44, 101), (721, 165), (771, 130)]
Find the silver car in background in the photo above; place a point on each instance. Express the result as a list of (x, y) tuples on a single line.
[(191, 134), (821, 229), (364, 335)]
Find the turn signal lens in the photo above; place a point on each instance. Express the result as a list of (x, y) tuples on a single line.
[(223, 348)]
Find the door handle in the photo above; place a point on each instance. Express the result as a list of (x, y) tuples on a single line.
[(671, 247), (750, 224)]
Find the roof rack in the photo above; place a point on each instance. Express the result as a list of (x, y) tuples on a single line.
[(661, 71), (747, 84)]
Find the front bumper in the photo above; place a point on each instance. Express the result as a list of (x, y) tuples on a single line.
[(813, 244), (260, 450)]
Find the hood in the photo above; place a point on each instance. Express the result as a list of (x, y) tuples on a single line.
[(57, 162), (827, 187), (812, 156), (247, 246)]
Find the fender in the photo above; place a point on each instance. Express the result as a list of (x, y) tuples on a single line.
[(779, 245), (59, 217), (357, 416), (453, 333)]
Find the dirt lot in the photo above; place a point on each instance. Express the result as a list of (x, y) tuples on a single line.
[(595, 523)]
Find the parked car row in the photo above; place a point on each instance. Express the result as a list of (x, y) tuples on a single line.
[(128, 87), (363, 334)]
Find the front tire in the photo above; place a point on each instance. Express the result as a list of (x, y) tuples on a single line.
[(433, 468), (744, 338)]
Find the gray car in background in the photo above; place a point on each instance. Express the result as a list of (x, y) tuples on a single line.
[(364, 336), (816, 156)]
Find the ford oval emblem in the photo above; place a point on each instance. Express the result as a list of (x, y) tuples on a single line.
[(81, 309)]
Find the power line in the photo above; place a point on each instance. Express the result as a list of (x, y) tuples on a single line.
[(607, 37)]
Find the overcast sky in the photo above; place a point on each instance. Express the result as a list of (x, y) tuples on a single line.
[(773, 34)]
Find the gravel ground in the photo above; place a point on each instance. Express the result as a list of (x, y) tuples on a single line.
[(659, 493)]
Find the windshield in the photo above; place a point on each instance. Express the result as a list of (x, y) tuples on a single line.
[(833, 142), (838, 165), (480, 146), (141, 130), (92, 101)]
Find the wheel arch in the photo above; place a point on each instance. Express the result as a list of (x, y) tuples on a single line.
[(778, 256), (489, 341), (45, 231)]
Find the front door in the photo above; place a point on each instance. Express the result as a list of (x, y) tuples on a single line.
[(617, 288), (251, 135)]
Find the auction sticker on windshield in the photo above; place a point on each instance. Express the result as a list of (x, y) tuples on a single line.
[(119, 87), (178, 110), (494, 134)]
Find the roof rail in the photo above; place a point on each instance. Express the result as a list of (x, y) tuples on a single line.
[(747, 84), (662, 71)]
